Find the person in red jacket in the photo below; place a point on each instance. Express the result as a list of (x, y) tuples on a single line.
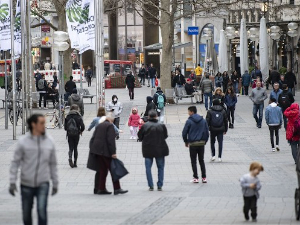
[(292, 114), (133, 123)]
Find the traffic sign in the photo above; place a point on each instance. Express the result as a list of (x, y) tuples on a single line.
[(193, 30)]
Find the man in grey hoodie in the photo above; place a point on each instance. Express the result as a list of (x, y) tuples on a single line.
[(206, 87), (35, 154), (75, 99), (258, 96)]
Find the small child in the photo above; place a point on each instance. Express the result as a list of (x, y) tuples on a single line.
[(250, 187), (134, 122)]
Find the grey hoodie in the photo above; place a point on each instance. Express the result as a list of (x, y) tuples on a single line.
[(37, 159), (76, 99), (115, 107), (258, 95), (245, 181)]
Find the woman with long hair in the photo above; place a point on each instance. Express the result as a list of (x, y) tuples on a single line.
[(218, 94), (230, 102)]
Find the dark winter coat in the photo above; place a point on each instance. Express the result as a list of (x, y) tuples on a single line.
[(130, 81), (77, 117), (274, 77), (280, 102), (150, 105), (230, 100), (153, 136), (179, 80), (103, 140), (189, 88), (70, 85), (290, 79), (246, 80), (223, 128), (220, 97), (195, 129), (152, 72)]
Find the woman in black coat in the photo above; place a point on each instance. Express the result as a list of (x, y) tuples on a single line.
[(225, 81)]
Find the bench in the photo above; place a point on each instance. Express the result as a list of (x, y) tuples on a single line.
[(86, 94), (180, 93)]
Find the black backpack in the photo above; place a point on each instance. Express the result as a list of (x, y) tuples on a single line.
[(285, 100), (72, 128), (217, 119)]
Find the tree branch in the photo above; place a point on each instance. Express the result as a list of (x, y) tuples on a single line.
[(43, 18)]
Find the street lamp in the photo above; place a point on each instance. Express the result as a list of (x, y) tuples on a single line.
[(275, 36), (254, 35), (207, 35), (292, 33), (60, 45), (230, 34)]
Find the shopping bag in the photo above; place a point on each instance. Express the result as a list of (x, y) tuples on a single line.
[(156, 82), (117, 169)]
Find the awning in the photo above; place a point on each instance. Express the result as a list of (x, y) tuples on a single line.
[(157, 46)]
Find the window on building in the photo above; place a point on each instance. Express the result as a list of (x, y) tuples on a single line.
[(292, 2)]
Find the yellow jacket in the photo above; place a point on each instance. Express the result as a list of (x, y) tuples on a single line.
[(198, 71)]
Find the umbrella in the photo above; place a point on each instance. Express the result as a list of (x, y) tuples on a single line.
[(223, 57), (243, 47), (263, 49)]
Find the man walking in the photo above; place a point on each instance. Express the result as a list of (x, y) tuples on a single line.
[(285, 100), (159, 100), (35, 154), (218, 125), (74, 126), (77, 100), (207, 88), (258, 96), (274, 76), (42, 89), (291, 81), (69, 87), (142, 73), (276, 92), (152, 75), (89, 75), (246, 81), (129, 81), (153, 136), (198, 71), (195, 134), (116, 108)]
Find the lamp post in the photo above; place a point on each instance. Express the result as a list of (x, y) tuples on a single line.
[(292, 33), (207, 35), (275, 36), (60, 44), (254, 35), (230, 34)]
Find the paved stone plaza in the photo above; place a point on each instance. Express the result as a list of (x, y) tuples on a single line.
[(181, 202)]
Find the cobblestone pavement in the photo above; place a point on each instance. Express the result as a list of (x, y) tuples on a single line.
[(181, 202)]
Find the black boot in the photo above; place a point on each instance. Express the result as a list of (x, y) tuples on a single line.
[(75, 163), (120, 191), (103, 192), (71, 163)]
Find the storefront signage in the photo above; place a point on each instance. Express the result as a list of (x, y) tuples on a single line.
[(193, 30)]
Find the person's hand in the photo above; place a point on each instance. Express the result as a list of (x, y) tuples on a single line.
[(253, 186), (54, 191), (114, 156), (186, 144), (12, 189)]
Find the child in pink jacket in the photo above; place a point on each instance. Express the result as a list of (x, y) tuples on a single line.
[(134, 122)]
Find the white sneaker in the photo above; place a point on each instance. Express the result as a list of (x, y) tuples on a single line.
[(45, 108), (134, 138), (273, 149), (277, 148), (220, 160), (194, 180), (213, 158), (131, 138)]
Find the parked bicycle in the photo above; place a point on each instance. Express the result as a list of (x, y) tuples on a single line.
[(19, 112), (52, 118)]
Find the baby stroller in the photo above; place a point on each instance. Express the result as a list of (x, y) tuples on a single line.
[(297, 191)]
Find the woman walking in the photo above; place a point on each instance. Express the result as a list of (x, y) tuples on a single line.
[(230, 102), (225, 81), (273, 117), (218, 94)]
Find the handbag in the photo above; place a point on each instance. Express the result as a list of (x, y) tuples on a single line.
[(197, 143), (156, 82), (117, 169)]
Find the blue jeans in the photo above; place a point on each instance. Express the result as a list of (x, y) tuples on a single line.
[(206, 95), (153, 82), (258, 108), (160, 163), (41, 194), (236, 87)]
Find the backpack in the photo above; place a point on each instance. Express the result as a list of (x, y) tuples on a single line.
[(72, 128), (160, 101), (41, 84), (285, 100), (217, 119)]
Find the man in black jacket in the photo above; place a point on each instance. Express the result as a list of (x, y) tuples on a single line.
[(150, 105), (142, 74), (195, 134), (69, 87), (74, 126), (274, 76), (290, 80), (42, 88), (285, 100), (130, 84), (153, 136), (102, 151), (152, 75), (160, 100), (218, 125)]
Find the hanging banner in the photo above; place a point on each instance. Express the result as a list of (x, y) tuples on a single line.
[(5, 25), (81, 24), (17, 31)]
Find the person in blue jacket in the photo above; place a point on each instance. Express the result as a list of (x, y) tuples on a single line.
[(273, 116), (246, 81), (230, 102), (195, 134), (276, 92)]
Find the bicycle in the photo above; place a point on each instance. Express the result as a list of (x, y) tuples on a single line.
[(19, 112), (52, 118)]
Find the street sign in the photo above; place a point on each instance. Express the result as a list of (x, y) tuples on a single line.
[(193, 30)]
